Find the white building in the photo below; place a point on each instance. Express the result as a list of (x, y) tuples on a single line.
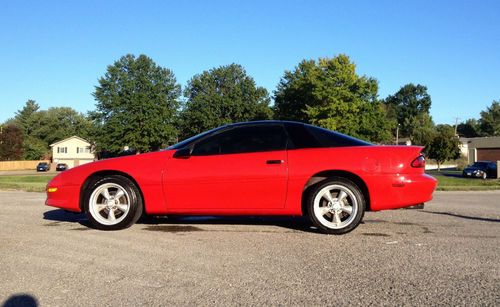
[(73, 151)]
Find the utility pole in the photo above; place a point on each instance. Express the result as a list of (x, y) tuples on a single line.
[(397, 134), (456, 124)]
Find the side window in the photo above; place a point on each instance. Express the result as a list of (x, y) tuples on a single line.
[(243, 139)]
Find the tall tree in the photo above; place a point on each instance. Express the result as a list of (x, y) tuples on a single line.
[(137, 104), (469, 129), (422, 129), (489, 122), (24, 116), (329, 93), (408, 104), (220, 96), (11, 143), (444, 146)]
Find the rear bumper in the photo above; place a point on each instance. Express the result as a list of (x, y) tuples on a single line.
[(402, 190), (66, 197)]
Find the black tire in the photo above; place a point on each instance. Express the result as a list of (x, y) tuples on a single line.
[(101, 219), (354, 199)]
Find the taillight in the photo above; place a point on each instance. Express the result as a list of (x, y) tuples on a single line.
[(418, 162)]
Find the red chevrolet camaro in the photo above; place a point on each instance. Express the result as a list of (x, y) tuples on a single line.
[(254, 168)]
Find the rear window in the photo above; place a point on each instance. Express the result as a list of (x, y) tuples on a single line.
[(307, 136)]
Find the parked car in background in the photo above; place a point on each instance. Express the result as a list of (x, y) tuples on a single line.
[(43, 167), (61, 167), (254, 168), (481, 169)]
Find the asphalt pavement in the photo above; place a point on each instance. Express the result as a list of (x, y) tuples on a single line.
[(445, 254)]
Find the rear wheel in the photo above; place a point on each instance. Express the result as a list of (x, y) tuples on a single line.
[(336, 206), (113, 203)]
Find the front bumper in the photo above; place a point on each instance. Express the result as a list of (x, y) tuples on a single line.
[(65, 197)]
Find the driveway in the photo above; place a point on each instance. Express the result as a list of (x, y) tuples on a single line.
[(446, 254)]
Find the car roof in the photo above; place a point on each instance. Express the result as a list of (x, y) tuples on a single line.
[(263, 122)]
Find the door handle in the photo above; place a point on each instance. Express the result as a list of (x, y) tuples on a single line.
[(274, 161)]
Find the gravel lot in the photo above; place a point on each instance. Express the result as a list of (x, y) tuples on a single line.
[(447, 253)]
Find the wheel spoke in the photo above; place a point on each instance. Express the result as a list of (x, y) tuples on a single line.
[(119, 194), (347, 209), (111, 215), (99, 207), (342, 195), (324, 210), (328, 196), (336, 218), (105, 193), (122, 207)]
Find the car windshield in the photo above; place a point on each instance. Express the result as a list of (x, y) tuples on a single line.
[(192, 139)]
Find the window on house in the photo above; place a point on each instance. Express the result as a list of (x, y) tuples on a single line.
[(87, 149), (62, 149)]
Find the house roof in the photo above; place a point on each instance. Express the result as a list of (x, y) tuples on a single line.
[(71, 137), (485, 142)]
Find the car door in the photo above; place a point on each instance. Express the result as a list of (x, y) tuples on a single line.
[(241, 169)]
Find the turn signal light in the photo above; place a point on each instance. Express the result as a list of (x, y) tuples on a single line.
[(418, 162), (51, 190)]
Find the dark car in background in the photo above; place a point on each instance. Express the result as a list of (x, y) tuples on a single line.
[(481, 169), (61, 167), (43, 167)]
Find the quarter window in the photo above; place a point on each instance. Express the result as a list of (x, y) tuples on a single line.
[(243, 139)]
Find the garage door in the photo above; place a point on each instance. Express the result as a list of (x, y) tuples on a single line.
[(488, 154)]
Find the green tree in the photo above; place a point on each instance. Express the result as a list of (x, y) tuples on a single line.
[(489, 122), (24, 116), (444, 146), (35, 149), (220, 96), (11, 143), (330, 94), (469, 129), (44, 127), (422, 129), (408, 104), (137, 105)]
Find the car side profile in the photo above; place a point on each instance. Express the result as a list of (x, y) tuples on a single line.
[(481, 169), (253, 168)]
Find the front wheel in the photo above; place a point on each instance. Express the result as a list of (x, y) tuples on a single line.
[(336, 206), (113, 203)]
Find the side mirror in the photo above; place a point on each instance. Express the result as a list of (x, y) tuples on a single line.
[(183, 153)]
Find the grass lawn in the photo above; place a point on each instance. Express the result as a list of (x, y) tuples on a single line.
[(451, 180), (29, 183)]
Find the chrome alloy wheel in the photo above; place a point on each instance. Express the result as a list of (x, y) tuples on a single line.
[(109, 204), (335, 206)]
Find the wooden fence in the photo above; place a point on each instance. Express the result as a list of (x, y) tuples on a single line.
[(19, 165)]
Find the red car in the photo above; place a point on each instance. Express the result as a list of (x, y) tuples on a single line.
[(254, 168)]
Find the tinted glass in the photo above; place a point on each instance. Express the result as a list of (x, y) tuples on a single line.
[(307, 136), (193, 139), (480, 164), (243, 139)]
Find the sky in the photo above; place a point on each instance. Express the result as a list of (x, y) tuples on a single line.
[(54, 52)]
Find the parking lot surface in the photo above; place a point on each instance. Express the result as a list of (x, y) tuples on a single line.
[(447, 253)]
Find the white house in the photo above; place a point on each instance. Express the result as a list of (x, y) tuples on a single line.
[(73, 151)]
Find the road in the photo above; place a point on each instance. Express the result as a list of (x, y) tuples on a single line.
[(446, 254)]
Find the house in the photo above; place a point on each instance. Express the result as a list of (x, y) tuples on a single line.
[(483, 149), (73, 151)]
